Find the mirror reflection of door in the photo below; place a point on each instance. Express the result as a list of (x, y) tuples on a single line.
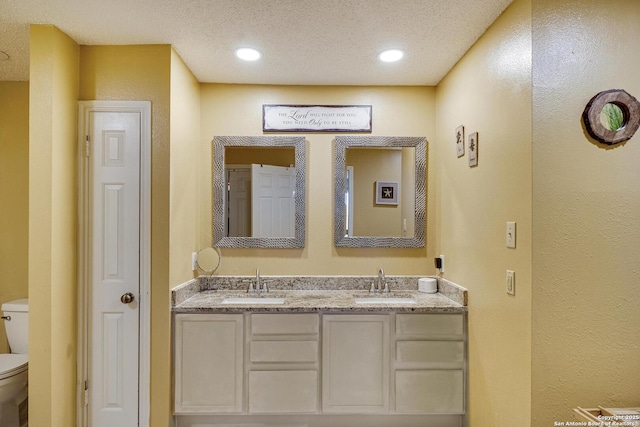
[(261, 201), (272, 201), (239, 201)]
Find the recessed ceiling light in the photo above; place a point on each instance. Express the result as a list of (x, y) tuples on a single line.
[(4, 56), (248, 54), (391, 55)]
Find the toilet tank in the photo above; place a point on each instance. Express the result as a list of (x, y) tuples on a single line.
[(18, 327)]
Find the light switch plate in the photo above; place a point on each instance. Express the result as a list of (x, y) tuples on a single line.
[(511, 234)]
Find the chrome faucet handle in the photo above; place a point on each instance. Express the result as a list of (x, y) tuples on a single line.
[(386, 288), (372, 289), (250, 288)]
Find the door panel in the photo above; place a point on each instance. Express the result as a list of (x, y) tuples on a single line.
[(208, 363), (114, 180), (355, 363), (273, 201)]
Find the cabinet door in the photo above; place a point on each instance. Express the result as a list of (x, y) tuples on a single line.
[(355, 364), (208, 363)]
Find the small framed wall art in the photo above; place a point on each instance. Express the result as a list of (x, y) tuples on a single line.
[(473, 149), (387, 192), (460, 141), (612, 117)]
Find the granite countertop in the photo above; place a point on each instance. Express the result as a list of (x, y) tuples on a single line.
[(197, 298)]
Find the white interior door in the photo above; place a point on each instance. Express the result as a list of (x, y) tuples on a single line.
[(114, 262), (239, 209), (272, 201)]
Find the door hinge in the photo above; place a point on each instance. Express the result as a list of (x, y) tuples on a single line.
[(86, 393), (86, 146)]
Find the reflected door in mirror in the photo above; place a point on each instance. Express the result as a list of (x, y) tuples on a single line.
[(239, 207), (273, 207), (261, 201)]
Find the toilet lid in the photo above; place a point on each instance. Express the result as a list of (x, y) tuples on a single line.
[(12, 364)]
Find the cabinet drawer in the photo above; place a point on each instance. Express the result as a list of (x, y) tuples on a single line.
[(430, 391), (283, 392), (430, 351), (284, 324), (284, 351), (429, 324)]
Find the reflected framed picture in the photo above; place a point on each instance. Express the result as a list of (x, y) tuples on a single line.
[(473, 149), (387, 192), (460, 141)]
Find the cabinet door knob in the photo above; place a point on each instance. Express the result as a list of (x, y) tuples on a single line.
[(127, 298)]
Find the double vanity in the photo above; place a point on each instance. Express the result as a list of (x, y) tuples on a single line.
[(319, 346), (318, 351)]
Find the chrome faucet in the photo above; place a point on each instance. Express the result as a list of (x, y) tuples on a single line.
[(382, 286), (257, 288)]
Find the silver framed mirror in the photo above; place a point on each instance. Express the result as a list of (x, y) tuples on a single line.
[(380, 192), (249, 164)]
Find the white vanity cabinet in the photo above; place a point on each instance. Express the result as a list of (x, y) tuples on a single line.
[(208, 363), (283, 363), (429, 363), (316, 363), (355, 363)]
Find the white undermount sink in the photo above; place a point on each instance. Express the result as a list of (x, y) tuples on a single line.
[(253, 300), (385, 300)]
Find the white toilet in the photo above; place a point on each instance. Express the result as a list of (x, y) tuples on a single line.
[(13, 366)]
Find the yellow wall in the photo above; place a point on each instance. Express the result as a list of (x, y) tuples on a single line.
[(143, 73), (489, 91), (369, 166), (52, 227), (185, 138), (237, 110), (14, 198), (586, 210)]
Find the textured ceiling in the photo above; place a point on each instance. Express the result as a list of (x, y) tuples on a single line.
[(318, 42)]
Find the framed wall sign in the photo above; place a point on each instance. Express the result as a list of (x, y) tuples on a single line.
[(316, 118)]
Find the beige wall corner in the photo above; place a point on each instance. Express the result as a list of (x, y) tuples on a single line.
[(52, 227), (489, 92), (586, 198), (14, 218), (185, 150)]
